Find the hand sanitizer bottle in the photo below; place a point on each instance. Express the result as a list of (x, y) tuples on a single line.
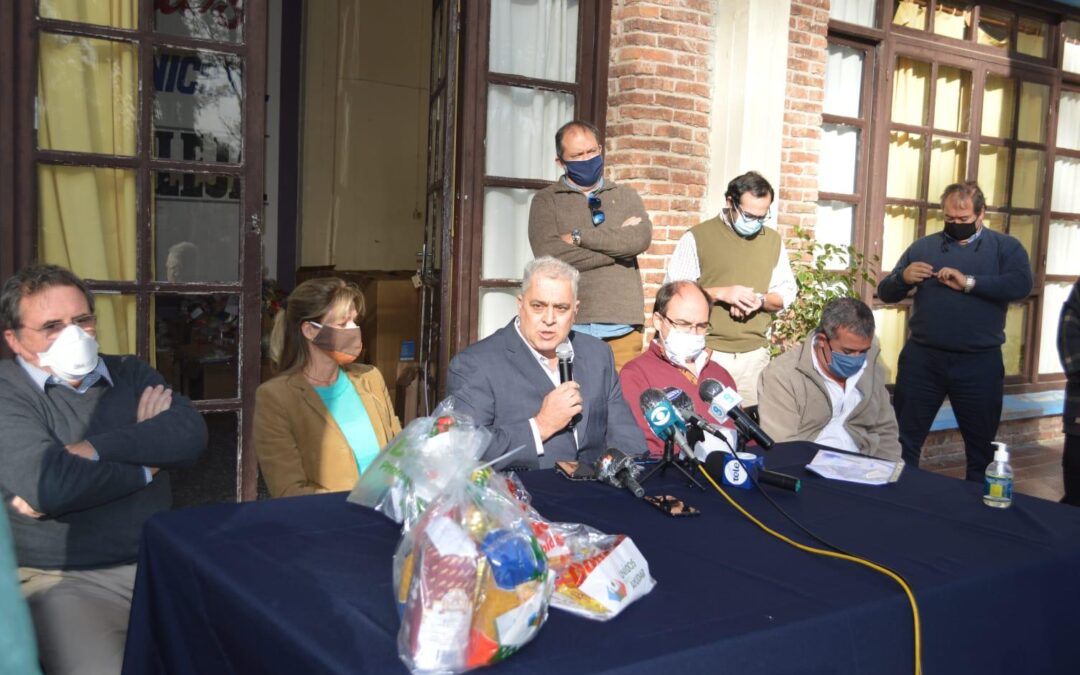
[(997, 490)]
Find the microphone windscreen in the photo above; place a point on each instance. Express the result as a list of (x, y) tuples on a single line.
[(649, 398), (714, 465), (564, 351), (681, 400), (709, 388)]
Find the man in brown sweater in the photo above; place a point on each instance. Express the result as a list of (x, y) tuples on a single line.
[(599, 228)]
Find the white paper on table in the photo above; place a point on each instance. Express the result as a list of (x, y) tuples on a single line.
[(855, 468)]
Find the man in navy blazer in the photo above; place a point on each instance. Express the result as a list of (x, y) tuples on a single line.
[(509, 381)]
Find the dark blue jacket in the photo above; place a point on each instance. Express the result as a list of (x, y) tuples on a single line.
[(952, 320)]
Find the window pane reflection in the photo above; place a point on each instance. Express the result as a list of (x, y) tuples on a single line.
[(196, 227), (221, 20), (198, 99), (196, 341)]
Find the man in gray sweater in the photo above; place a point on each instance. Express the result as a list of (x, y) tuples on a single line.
[(85, 438), (598, 227)]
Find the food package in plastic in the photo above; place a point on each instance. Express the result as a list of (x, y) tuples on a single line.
[(597, 575), (417, 464), (473, 584)]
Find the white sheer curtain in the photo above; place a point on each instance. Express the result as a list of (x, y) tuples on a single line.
[(834, 221), (534, 38), (1054, 296), (1071, 60), (1068, 131), (521, 126), (860, 12), (843, 81), (506, 237), (497, 307), (1066, 196), (1063, 248), (838, 159)]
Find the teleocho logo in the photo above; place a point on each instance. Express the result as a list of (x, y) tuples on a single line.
[(616, 590)]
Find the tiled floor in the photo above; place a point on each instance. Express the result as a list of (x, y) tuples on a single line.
[(1037, 468)]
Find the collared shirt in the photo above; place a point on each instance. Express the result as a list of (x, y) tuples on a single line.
[(553, 375), (844, 399), (100, 372), (684, 265), (43, 377)]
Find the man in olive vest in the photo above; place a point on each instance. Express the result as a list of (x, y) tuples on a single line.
[(745, 268)]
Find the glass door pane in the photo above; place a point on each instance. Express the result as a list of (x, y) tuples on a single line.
[(521, 126), (198, 99), (222, 21), (534, 38), (196, 227)]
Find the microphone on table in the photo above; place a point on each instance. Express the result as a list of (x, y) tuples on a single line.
[(724, 402), (617, 468), (565, 354), (684, 405), (716, 462), (663, 419)]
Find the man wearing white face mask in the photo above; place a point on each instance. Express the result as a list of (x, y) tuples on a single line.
[(85, 437), (677, 356), (745, 268)]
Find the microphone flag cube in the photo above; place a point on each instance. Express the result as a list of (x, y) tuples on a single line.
[(735, 472)]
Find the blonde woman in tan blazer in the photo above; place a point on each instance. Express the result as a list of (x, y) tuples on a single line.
[(322, 418)]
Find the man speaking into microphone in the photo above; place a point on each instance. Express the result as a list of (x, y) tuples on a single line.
[(510, 381), (677, 356)]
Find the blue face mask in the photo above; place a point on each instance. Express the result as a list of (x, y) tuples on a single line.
[(586, 172), (846, 365), (747, 228)]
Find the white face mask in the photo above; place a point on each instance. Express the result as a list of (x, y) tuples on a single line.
[(683, 347), (73, 354)]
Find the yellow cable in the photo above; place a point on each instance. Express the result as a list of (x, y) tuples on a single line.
[(842, 556)]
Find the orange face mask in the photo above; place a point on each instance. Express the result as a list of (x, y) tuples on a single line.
[(342, 344)]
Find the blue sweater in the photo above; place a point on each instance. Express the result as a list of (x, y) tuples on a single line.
[(952, 320)]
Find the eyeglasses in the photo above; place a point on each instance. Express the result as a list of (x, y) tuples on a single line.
[(751, 217), (598, 217), (686, 326), (53, 328)]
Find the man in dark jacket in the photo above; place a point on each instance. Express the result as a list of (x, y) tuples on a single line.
[(85, 438), (964, 279), (1069, 351)]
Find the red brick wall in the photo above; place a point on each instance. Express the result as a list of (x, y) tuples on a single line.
[(659, 99), (803, 102)]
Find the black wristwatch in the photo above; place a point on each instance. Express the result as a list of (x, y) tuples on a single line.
[(575, 237)]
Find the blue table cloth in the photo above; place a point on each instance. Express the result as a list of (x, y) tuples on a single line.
[(303, 585)]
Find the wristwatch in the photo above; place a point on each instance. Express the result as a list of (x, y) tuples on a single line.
[(575, 237), (969, 283), (761, 299)]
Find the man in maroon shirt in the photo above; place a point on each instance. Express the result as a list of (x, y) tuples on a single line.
[(677, 356)]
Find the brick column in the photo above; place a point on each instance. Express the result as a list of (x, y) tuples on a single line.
[(803, 103), (659, 98)]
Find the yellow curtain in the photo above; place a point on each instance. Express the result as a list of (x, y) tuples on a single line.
[(1012, 352), (891, 330), (898, 234), (86, 103), (910, 13)]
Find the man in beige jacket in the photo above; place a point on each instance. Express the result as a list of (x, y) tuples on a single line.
[(831, 389)]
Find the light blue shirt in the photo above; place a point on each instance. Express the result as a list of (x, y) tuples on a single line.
[(351, 416), (603, 331)]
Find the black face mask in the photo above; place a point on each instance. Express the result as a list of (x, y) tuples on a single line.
[(961, 231)]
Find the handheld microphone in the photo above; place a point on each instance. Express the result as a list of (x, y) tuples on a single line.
[(565, 353), (616, 468), (684, 405), (663, 419), (724, 402)]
